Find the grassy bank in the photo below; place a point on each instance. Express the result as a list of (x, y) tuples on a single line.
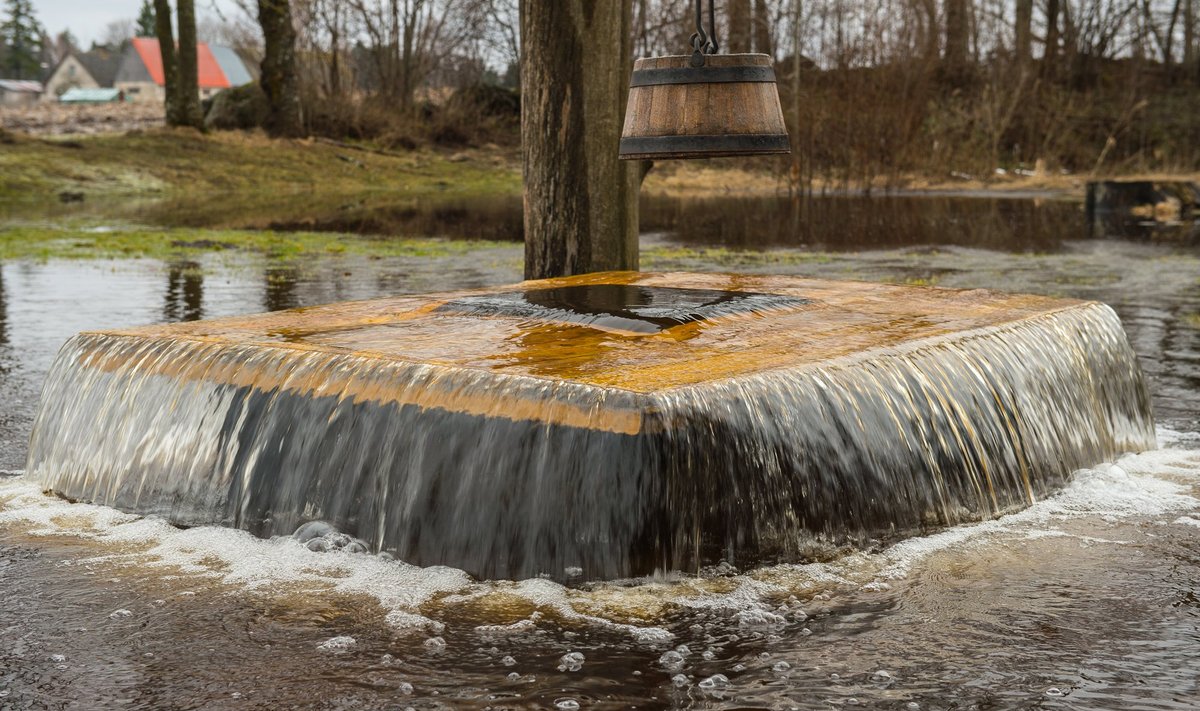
[(233, 170), (174, 163), (83, 242), (88, 242)]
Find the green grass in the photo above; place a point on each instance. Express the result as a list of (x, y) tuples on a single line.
[(45, 243), (654, 257), (174, 163)]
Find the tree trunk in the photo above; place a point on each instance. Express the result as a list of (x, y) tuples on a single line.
[(1023, 46), (408, 58), (279, 80), (1191, 53), (166, 50), (580, 200), (1050, 56), (738, 28), (958, 35), (189, 84), (762, 29)]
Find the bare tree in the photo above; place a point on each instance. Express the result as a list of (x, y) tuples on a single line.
[(1023, 31), (166, 49), (739, 28), (279, 81), (189, 67)]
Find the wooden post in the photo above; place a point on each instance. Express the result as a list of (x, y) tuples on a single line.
[(580, 201)]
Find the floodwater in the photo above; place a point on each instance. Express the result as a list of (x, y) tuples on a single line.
[(1088, 600)]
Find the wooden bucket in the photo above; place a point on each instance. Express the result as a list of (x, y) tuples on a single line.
[(727, 107)]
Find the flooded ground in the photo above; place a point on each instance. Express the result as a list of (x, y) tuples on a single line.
[(1091, 599)]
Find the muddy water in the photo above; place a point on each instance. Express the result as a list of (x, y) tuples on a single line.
[(1090, 599)]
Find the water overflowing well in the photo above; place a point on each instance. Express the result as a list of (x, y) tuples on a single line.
[(614, 423)]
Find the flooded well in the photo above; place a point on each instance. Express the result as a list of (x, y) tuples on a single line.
[(614, 425), (1085, 599)]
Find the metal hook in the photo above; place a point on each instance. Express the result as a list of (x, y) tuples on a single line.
[(704, 42)]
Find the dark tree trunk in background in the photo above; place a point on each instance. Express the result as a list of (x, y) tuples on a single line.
[(1023, 47), (580, 200), (166, 48), (958, 35), (189, 85), (1050, 56), (279, 80), (762, 28), (1191, 52), (738, 27)]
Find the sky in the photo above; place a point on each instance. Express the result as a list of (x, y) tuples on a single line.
[(87, 19)]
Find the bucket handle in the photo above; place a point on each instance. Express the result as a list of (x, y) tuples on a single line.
[(704, 42)]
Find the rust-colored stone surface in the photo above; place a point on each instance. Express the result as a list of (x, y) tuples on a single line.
[(837, 320)]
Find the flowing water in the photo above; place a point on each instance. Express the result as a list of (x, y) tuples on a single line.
[(1088, 599), (492, 432)]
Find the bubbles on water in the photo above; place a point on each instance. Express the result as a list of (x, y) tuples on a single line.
[(513, 676), (405, 688), (566, 704), (680, 681), (708, 655), (571, 661), (912, 706), (400, 619), (780, 667), (806, 631), (739, 668), (508, 661), (573, 572), (435, 644), (58, 658), (387, 660), (322, 537), (881, 677), (119, 614), (313, 529), (338, 645), (715, 684), (671, 660), (1055, 691), (759, 618)]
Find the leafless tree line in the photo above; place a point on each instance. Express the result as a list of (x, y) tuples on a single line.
[(873, 89)]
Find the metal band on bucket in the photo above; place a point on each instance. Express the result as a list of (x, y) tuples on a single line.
[(713, 144), (703, 75)]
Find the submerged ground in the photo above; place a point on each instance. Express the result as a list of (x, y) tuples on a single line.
[(1087, 600)]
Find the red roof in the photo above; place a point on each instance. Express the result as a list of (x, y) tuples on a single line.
[(211, 76)]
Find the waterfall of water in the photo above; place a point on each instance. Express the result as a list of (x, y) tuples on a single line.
[(615, 423)]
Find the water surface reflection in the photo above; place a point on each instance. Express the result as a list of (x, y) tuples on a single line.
[(1089, 601)]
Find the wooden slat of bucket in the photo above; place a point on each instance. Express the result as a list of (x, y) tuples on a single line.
[(726, 118)]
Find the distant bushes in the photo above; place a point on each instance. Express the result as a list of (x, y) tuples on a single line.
[(883, 125), (472, 116)]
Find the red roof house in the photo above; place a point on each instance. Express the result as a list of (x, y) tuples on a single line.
[(141, 73)]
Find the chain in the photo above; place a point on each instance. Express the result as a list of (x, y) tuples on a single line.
[(704, 42)]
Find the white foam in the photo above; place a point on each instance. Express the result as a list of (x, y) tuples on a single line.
[(1160, 486)]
